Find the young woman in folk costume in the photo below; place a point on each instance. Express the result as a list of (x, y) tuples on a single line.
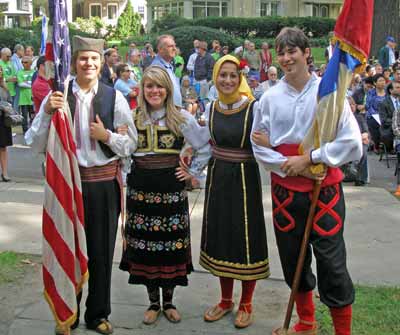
[(157, 232), (233, 243)]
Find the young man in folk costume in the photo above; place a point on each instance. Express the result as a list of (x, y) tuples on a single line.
[(98, 113), (284, 115)]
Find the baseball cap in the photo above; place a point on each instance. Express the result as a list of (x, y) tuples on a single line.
[(254, 77), (390, 39)]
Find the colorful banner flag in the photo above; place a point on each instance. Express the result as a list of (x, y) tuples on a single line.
[(353, 41)]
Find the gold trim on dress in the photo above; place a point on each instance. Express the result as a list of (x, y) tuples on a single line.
[(260, 270), (231, 111), (233, 265), (246, 222), (245, 125), (217, 271), (207, 202), (141, 137), (211, 121)]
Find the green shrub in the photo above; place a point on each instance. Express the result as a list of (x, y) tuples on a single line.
[(11, 36), (140, 40), (168, 22), (184, 37), (266, 27)]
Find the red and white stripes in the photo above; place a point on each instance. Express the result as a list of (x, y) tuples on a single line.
[(64, 242)]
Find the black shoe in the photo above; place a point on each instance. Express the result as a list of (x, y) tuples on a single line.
[(5, 179), (359, 183), (75, 324)]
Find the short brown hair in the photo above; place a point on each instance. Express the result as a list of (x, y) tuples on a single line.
[(121, 68), (291, 37), (202, 45)]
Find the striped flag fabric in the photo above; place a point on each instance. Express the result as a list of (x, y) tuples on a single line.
[(352, 34), (64, 252)]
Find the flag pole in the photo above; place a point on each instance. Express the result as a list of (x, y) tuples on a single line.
[(302, 255)]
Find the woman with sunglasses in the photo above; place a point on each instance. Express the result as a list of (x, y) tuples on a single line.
[(127, 86)]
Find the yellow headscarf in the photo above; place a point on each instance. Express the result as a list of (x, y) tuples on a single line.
[(243, 88)]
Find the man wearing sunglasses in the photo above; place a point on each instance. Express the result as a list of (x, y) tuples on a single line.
[(24, 83), (9, 73)]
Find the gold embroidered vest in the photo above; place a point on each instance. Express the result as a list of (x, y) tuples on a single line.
[(158, 139)]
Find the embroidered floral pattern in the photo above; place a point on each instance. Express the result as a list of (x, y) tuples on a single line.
[(158, 223), (159, 245), (156, 197)]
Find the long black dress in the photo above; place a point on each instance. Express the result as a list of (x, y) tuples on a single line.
[(233, 242), (5, 132)]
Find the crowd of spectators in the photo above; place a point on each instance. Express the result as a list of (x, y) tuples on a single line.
[(374, 93)]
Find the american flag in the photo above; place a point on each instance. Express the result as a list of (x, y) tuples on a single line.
[(61, 45), (64, 243)]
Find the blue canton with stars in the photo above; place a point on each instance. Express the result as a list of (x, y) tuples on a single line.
[(61, 45)]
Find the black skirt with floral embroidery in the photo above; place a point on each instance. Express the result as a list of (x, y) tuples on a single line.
[(157, 229)]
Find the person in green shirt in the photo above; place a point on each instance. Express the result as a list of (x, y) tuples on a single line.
[(179, 64), (134, 65), (9, 73), (25, 103), (217, 53)]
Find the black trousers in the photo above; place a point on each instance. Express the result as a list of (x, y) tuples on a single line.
[(374, 131), (27, 114), (290, 211), (102, 209)]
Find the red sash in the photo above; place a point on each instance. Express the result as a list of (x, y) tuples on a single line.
[(299, 183)]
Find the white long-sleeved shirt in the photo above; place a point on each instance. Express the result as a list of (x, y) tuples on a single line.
[(191, 61), (286, 115), (121, 145), (196, 136)]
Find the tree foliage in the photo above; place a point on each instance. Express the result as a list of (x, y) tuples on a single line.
[(94, 26), (386, 22), (9, 37), (129, 23), (184, 37)]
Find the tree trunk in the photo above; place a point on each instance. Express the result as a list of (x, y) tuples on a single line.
[(386, 23)]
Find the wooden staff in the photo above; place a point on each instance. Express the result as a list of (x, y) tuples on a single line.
[(302, 255)]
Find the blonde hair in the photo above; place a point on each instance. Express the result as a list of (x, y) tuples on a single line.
[(173, 116)]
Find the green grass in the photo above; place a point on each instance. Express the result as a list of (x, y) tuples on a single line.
[(375, 311), (11, 266), (319, 56)]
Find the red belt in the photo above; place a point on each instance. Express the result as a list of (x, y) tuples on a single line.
[(156, 161), (106, 172), (234, 155)]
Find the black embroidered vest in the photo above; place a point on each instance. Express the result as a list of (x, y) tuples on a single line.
[(160, 140), (103, 106)]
